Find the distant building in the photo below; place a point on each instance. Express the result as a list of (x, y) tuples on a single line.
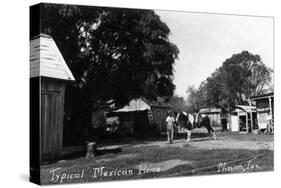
[(139, 114), (159, 115), (241, 119), (265, 110), (214, 115)]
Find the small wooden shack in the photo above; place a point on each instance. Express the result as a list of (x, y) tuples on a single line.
[(139, 113), (240, 119), (159, 114), (48, 68), (265, 108), (214, 114)]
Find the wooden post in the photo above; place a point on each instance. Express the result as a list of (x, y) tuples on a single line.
[(247, 125), (91, 150), (271, 115), (270, 107), (251, 115), (238, 119)]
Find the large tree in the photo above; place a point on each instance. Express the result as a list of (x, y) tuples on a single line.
[(193, 99), (178, 103), (115, 54), (245, 74), (242, 75)]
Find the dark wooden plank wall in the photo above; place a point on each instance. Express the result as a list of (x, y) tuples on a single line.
[(34, 130), (52, 112), (159, 117)]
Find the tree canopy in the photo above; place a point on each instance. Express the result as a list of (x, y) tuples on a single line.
[(178, 103), (240, 76), (115, 54)]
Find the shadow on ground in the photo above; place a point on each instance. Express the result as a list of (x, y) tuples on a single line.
[(109, 148)]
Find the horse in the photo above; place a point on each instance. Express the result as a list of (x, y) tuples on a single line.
[(204, 120), (191, 121), (186, 121)]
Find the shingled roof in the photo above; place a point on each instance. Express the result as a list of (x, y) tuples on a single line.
[(46, 59)]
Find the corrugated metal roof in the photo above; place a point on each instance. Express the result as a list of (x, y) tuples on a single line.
[(46, 59), (210, 110), (244, 108), (134, 105), (266, 95)]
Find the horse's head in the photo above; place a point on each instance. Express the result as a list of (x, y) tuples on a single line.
[(180, 118)]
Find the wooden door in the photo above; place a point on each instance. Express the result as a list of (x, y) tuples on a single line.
[(50, 125), (234, 123)]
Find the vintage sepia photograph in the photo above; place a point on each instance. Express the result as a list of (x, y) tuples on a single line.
[(121, 94)]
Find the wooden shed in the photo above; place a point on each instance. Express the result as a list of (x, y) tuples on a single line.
[(48, 68), (214, 115), (159, 114), (265, 108), (241, 119), (140, 112)]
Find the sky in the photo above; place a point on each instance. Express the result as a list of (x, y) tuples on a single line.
[(206, 40)]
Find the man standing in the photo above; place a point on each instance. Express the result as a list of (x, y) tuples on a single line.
[(170, 127)]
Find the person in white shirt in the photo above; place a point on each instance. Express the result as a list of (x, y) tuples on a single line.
[(170, 127)]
